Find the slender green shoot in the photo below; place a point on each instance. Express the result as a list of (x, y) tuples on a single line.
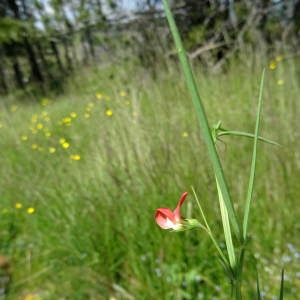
[(208, 230), (227, 229), (253, 163), (246, 134), (281, 285), (258, 287), (202, 119)]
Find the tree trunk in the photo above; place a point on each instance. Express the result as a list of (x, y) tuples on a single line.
[(56, 54), (18, 73), (35, 69)]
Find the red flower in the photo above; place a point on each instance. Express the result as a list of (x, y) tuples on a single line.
[(168, 219)]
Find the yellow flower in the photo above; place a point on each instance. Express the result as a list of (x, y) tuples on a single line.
[(34, 118), (99, 96), (52, 150), (18, 205), (279, 58), (47, 133), (280, 82), (184, 134), (73, 115), (39, 126), (13, 108), (67, 120), (62, 140), (45, 101), (34, 146), (123, 94), (91, 104), (75, 157), (109, 112), (24, 138), (65, 145), (272, 65), (87, 115), (30, 210)]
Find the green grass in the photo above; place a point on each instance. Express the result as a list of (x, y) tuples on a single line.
[(93, 235)]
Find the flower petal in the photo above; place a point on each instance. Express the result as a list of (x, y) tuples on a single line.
[(164, 217), (177, 210)]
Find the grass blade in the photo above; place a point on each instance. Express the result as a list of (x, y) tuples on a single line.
[(246, 134), (253, 163), (281, 285), (202, 119), (258, 287), (227, 230)]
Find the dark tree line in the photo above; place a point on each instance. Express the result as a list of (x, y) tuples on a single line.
[(42, 42)]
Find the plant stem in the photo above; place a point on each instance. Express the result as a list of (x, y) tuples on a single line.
[(214, 157)]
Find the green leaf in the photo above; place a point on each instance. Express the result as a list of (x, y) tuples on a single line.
[(253, 163), (281, 285), (214, 157)]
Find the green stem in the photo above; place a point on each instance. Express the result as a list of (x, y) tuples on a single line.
[(214, 157), (245, 134)]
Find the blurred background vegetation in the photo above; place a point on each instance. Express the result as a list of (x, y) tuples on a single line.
[(98, 130), (44, 41)]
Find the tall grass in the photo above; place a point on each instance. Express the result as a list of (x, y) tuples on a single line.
[(92, 235)]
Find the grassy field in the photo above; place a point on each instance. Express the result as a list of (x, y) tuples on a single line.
[(82, 174)]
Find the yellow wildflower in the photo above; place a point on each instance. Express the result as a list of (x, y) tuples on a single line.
[(109, 112), (75, 157), (184, 134), (280, 82), (39, 126), (18, 205), (62, 140), (34, 146), (279, 58), (24, 138), (99, 96), (67, 120), (73, 115), (87, 115), (30, 210), (13, 108), (272, 65), (52, 150), (123, 94), (45, 101), (34, 118), (65, 145), (47, 133)]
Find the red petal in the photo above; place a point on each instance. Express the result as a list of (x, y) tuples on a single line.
[(162, 215), (177, 210)]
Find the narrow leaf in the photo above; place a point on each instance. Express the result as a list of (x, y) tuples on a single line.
[(214, 157), (253, 163), (281, 285)]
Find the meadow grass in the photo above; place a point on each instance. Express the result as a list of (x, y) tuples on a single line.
[(135, 145)]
